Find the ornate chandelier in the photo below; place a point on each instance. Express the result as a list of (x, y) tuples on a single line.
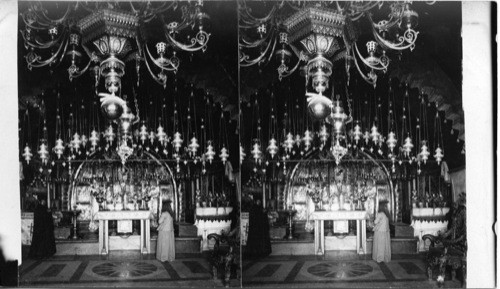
[(322, 37), (103, 37)]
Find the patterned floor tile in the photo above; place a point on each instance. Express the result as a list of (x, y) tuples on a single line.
[(335, 273), (339, 271), (113, 270), (51, 271), (92, 271), (281, 271), (407, 269), (191, 268)]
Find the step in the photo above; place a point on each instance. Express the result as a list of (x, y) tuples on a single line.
[(91, 246), (399, 245), (403, 230), (187, 230)]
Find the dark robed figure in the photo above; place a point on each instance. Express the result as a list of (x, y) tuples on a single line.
[(259, 242), (43, 243)]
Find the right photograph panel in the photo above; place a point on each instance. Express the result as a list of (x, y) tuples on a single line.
[(352, 144)]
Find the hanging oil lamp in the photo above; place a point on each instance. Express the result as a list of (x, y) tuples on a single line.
[(298, 140), (307, 139), (59, 148), (424, 152), (224, 155), (94, 139), (210, 152), (177, 142), (161, 135), (272, 148), (193, 146), (152, 137), (43, 153), (366, 137), (323, 134), (289, 142), (84, 140), (256, 152), (109, 135), (27, 154), (338, 151), (338, 117), (143, 133), (357, 134), (374, 134), (408, 146), (391, 142), (439, 155), (76, 142)]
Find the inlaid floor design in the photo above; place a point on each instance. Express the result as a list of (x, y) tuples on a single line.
[(310, 271), (88, 271)]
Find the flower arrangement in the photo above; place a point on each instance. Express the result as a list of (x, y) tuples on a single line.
[(93, 226), (314, 193)]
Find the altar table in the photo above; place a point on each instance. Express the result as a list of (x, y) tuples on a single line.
[(319, 218), (105, 216)]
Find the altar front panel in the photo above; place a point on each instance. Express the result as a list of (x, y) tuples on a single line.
[(144, 239)]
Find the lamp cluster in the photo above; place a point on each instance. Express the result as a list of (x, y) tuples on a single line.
[(102, 37)]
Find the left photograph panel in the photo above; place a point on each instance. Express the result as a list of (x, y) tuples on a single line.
[(129, 145)]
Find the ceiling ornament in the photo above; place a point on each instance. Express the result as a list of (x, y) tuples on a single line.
[(102, 37)]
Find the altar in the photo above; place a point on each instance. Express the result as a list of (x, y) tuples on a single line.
[(319, 218), (105, 216)]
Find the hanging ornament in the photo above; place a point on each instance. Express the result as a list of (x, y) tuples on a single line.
[(424, 152), (27, 154), (307, 139), (407, 147), (224, 155), (289, 142), (124, 151), (152, 137), (161, 135), (84, 140), (272, 148), (94, 139), (43, 153), (76, 142), (256, 152), (357, 133), (374, 134), (323, 134), (210, 152), (439, 155), (59, 148), (298, 140), (338, 151), (177, 142), (391, 142), (366, 137), (143, 134), (109, 135), (193, 146)]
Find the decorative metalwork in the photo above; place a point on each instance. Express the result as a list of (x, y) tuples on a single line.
[(108, 35), (321, 33)]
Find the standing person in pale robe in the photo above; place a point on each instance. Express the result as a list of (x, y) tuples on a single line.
[(381, 251), (165, 244)]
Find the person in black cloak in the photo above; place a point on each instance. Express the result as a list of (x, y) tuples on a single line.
[(259, 241), (43, 243)]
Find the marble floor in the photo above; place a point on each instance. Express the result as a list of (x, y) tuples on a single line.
[(119, 269), (338, 271)]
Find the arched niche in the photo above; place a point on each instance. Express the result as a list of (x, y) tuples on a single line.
[(355, 174), (141, 168)]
